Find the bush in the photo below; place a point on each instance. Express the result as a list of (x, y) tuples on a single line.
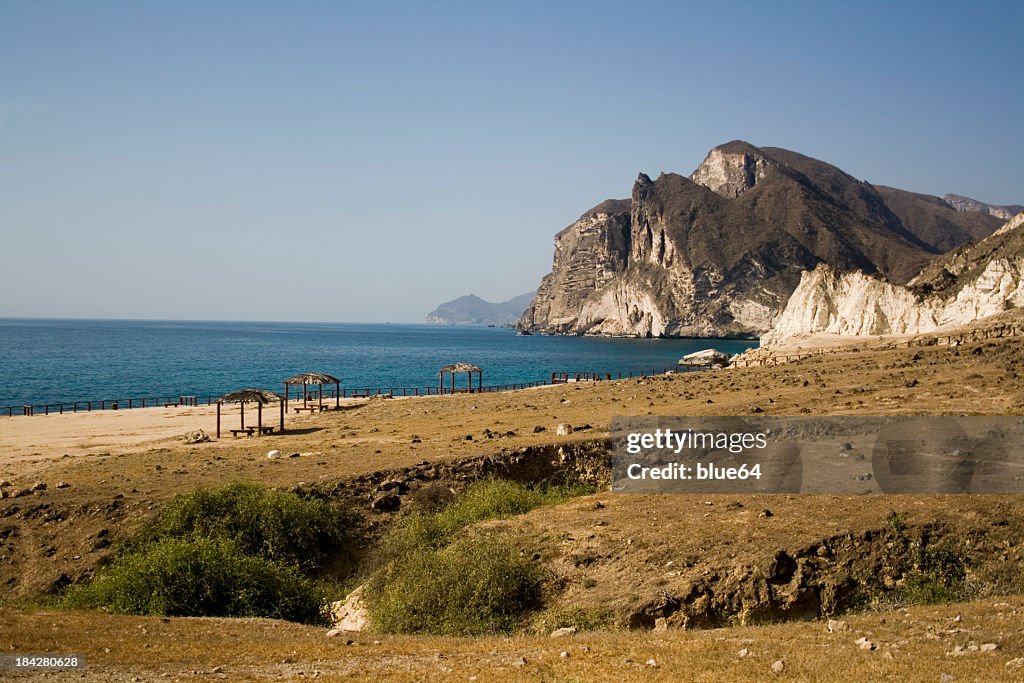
[(428, 582), (472, 587), (201, 577), (241, 550), (275, 525), (482, 500)]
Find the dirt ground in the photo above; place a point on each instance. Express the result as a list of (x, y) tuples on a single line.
[(919, 644), (105, 473)]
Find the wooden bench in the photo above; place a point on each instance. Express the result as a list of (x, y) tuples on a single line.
[(249, 431)]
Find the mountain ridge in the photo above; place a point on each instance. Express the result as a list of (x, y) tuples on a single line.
[(718, 253), (472, 310)]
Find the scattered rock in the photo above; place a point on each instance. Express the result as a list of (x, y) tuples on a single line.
[(946, 678), (989, 647), (5, 483), (563, 654), (765, 514), (520, 662), (394, 485), (564, 429), (273, 455), (198, 436), (864, 644), (837, 626), (39, 486), (63, 485), (1015, 663), (779, 665), (538, 429), (563, 632), (652, 663), (743, 653), (388, 502), (756, 409), (294, 455)]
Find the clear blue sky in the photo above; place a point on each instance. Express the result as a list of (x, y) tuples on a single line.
[(364, 162)]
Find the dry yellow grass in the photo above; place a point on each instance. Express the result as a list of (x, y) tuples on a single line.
[(910, 645)]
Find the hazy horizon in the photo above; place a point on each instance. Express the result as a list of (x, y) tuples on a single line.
[(319, 162)]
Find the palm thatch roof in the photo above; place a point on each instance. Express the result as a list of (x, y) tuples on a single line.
[(461, 367), (312, 378), (261, 396)]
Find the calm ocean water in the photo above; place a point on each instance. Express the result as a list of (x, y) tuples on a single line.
[(48, 361)]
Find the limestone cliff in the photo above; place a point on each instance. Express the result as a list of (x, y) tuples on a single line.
[(966, 204), (973, 282), (719, 253)]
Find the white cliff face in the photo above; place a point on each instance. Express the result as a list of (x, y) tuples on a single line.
[(998, 288), (830, 302), (976, 282), (730, 174)]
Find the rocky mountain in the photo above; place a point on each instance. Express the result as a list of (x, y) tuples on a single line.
[(966, 204), (972, 282), (720, 252), (471, 309)]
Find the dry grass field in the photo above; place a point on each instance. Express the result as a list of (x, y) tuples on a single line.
[(107, 473)]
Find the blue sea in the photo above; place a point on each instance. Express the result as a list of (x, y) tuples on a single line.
[(52, 361)]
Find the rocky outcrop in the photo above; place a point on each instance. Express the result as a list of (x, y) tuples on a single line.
[(719, 253), (973, 282), (731, 170), (591, 253), (966, 204)]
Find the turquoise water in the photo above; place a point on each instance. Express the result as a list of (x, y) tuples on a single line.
[(50, 361)]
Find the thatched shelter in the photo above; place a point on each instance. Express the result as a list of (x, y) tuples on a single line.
[(705, 359), (257, 396), (317, 379), (456, 368)]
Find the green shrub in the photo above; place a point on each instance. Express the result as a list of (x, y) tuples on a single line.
[(426, 581), (276, 525), (240, 550), (474, 586), (200, 577), (482, 500)]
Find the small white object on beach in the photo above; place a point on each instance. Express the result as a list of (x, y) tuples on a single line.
[(274, 454)]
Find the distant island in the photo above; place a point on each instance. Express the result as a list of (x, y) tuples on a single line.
[(472, 310)]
